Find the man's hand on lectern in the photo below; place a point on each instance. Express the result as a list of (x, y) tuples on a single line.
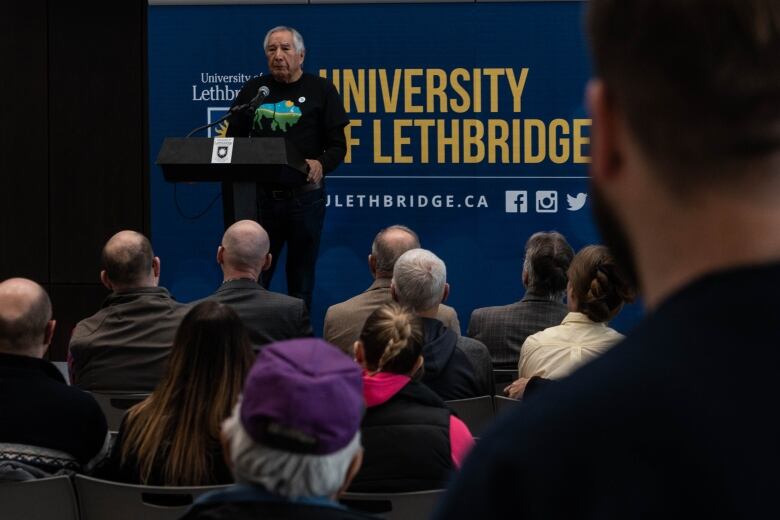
[(315, 171)]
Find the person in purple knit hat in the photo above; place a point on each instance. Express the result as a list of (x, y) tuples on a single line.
[(293, 440)]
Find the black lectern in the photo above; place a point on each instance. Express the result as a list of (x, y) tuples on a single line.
[(258, 159)]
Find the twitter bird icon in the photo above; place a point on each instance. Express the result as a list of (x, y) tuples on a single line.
[(576, 203)]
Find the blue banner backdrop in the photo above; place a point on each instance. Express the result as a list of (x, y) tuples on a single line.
[(468, 125)]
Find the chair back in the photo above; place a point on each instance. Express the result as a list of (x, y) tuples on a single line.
[(503, 378), (504, 404), (476, 412), (62, 366), (395, 506), (114, 405), (50, 498), (100, 499)]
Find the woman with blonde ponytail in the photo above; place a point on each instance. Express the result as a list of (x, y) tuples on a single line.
[(596, 293), (412, 441)]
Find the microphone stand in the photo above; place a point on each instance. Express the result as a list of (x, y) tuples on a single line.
[(232, 111)]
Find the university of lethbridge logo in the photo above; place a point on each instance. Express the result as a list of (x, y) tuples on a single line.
[(221, 130)]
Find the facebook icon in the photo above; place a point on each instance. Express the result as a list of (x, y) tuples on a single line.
[(517, 202)]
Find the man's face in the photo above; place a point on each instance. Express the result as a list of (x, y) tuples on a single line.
[(284, 61)]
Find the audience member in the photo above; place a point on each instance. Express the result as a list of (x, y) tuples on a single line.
[(455, 367), (172, 437), (344, 321), (268, 316), (124, 346), (294, 440), (46, 427), (504, 329), (412, 440), (685, 174), (595, 294)]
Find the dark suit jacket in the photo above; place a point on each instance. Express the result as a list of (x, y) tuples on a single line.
[(504, 329), (268, 316)]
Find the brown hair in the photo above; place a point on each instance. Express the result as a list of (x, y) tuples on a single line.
[(547, 258), (392, 339), (173, 428), (21, 331), (697, 80), (598, 286), (127, 259)]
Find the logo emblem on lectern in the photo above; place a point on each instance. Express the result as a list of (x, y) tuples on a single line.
[(222, 150)]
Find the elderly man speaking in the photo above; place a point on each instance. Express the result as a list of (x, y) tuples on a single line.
[(307, 111)]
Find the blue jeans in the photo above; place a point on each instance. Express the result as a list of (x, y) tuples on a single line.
[(295, 219)]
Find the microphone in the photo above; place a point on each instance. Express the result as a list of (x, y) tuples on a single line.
[(250, 107), (262, 93)]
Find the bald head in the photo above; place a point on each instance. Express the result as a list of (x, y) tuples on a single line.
[(244, 248), (25, 318), (129, 262), (389, 244)]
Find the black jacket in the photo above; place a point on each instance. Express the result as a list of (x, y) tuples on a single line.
[(37, 408), (406, 442), (129, 471), (455, 367), (246, 501), (676, 420)]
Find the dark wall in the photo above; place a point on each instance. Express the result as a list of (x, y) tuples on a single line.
[(73, 147)]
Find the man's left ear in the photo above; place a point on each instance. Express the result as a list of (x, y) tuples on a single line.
[(446, 293), (358, 352), (267, 262), (48, 334), (156, 266), (606, 158)]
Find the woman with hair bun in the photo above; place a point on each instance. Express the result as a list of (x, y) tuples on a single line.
[(412, 440), (596, 293)]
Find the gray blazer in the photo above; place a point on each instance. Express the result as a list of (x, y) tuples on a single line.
[(504, 329)]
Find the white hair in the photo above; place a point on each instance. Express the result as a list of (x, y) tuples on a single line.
[(282, 472), (297, 38), (419, 277)]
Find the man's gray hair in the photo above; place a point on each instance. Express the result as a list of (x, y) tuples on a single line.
[(297, 38), (386, 252), (419, 277), (547, 259), (282, 472)]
